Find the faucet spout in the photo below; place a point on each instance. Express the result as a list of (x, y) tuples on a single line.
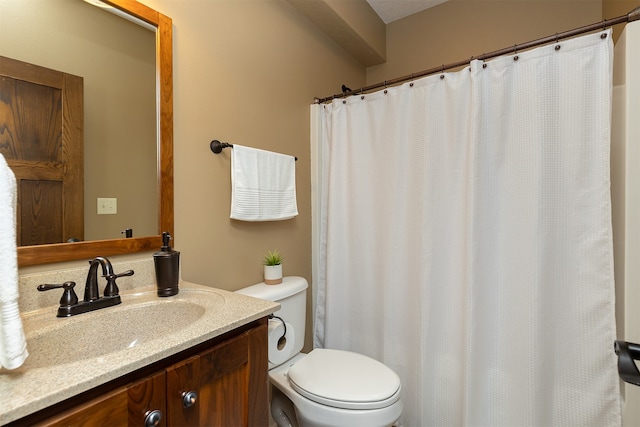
[(91, 292)]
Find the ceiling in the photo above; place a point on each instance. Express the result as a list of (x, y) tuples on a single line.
[(391, 10)]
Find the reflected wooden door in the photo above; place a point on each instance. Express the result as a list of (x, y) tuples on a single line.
[(41, 137)]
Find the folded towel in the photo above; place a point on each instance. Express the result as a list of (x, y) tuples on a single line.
[(263, 185), (13, 345)]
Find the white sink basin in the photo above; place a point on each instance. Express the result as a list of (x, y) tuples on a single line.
[(140, 318)]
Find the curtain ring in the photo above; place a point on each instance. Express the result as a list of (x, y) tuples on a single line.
[(411, 84), (442, 71), (385, 86)]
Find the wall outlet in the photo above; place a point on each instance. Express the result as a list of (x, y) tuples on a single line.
[(107, 206)]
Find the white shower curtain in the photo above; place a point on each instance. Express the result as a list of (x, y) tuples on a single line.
[(463, 238)]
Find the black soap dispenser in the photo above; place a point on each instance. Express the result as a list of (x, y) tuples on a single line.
[(167, 263)]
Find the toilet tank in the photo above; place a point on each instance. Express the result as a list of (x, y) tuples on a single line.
[(292, 296)]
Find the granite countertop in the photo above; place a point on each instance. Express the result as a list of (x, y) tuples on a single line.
[(42, 381)]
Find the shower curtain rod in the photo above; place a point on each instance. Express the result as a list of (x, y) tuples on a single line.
[(634, 15)]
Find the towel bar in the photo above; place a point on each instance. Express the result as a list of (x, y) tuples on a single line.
[(217, 146)]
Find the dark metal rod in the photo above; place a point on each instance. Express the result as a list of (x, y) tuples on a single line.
[(634, 15), (217, 146)]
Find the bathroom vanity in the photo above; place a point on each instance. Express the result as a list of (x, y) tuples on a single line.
[(222, 382), (196, 358)]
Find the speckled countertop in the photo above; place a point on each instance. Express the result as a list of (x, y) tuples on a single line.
[(145, 320)]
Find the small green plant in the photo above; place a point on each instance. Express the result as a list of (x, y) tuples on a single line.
[(273, 258)]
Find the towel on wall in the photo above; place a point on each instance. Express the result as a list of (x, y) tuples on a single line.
[(13, 344), (263, 185)]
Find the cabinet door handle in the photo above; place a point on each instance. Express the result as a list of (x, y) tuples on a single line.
[(189, 398), (152, 418)]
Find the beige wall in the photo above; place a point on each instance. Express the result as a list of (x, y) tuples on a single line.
[(460, 29), (245, 72)]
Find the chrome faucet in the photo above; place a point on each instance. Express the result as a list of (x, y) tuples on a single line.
[(69, 304)]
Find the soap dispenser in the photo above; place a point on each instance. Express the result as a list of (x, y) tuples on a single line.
[(167, 263)]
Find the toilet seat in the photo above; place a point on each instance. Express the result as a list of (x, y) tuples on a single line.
[(344, 379)]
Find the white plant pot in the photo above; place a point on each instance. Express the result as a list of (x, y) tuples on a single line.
[(273, 274)]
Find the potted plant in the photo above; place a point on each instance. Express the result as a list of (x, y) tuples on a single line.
[(273, 267)]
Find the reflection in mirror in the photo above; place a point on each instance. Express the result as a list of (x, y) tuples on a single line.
[(115, 61), (115, 162)]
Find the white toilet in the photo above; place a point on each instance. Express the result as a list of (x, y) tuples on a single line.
[(325, 388)]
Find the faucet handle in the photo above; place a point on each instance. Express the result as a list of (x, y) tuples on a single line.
[(111, 290), (69, 296)]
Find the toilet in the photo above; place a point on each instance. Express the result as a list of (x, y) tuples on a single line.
[(324, 388)]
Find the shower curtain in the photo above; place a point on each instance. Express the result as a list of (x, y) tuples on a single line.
[(462, 236)]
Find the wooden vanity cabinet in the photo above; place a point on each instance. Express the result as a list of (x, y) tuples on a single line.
[(221, 384), (203, 391)]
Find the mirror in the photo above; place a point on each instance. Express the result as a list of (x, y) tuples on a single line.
[(42, 254)]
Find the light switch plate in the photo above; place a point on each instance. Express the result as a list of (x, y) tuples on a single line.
[(107, 206)]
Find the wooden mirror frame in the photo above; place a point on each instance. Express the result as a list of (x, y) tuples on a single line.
[(58, 252)]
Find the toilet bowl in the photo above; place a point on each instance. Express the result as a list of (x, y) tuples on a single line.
[(337, 410), (324, 388)]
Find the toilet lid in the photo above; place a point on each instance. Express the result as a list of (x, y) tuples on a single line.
[(344, 379)]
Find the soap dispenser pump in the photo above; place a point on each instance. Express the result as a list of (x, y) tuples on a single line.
[(167, 263)]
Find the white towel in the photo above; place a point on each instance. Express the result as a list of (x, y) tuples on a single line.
[(263, 185), (13, 345)]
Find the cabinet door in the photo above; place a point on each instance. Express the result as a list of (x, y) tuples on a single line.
[(258, 376), (125, 406), (220, 379), (107, 410), (146, 396)]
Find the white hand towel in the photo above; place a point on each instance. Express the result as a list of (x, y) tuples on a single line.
[(13, 344), (263, 185)]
